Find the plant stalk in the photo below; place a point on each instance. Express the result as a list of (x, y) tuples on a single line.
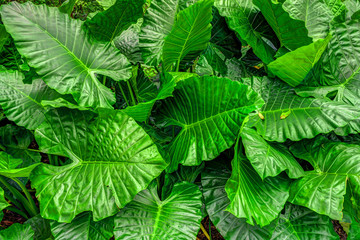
[(13, 201), (104, 80), (123, 94), (15, 210), (19, 196), (204, 231), (131, 93)]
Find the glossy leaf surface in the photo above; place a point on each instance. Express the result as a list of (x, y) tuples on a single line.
[(112, 160)]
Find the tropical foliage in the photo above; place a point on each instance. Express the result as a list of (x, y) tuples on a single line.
[(140, 120)]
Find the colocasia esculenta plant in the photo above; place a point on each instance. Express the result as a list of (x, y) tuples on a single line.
[(149, 116)]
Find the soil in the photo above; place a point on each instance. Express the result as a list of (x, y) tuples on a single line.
[(10, 218), (215, 235), (339, 230)]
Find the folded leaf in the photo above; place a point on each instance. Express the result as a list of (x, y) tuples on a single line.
[(189, 35), (147, 217), (293, 67), (323, 189), (16, 141), (105, 26), (84, 228), (22, 102), (142, 110), (8, 166), (3, 202), (64, 54), (158, 22), (240, 15), (307, 117), (268, 158), (298, 223), (259, 201), (213, 181), (210, 119), (291, 33), (112, 160)]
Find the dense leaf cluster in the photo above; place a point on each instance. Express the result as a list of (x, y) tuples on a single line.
[(151, 115)]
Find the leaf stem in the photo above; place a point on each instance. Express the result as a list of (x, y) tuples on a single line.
[(104, 80), (13, 209), (13, 201), (123, 94), (19, 196), (27, 194), (2, 147), (34, 150), (204, 231), (131, 93)]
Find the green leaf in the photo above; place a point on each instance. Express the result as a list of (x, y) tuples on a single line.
[(142, 110), (259, 201), (222, 37), (64, 54), (291, 33), (8, 166), (128, 42), (209, 118), (105, 26), (16, 141), (240, 15), (106, 3), (17, 231), (213, 181), (323, 189), (293, 67), (158, 22), (67, 7), (84, 228), (22, 102), (308, 116), (268, 158), (189, 35), (41, 227), (315, 14), (3, 202), (147, 217), (298, 223), (4, 36), (112, 160)]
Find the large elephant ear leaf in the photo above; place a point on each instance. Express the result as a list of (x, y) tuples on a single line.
[(64, 54), (269, 158), (105, 26), (290, 32), (22, 102), (190, 34), (112, 160), (158, 22), (289, 116), (147, 217), (259, 201), (83, 228), (210, 119), (297, 223), (323, 189), (241, 14), (213, 180)]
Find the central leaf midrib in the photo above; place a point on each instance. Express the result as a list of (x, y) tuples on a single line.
[(184, 125), (61, 44)]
